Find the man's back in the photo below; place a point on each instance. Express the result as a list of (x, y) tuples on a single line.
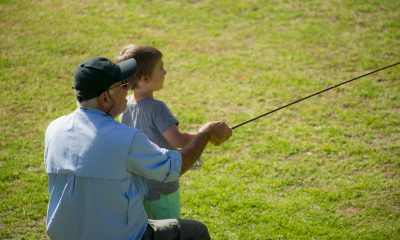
[(92, 208), (92, 193)]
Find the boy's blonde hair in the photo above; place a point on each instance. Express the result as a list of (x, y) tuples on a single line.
[(146, 58)]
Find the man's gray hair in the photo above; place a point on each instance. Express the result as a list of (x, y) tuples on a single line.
[(90, 103)]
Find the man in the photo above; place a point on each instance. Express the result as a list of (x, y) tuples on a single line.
[(96, 165)]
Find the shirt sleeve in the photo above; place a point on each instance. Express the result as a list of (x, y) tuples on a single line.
[(148, 160), (163, 118)]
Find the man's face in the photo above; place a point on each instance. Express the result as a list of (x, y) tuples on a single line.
[(118, 92)]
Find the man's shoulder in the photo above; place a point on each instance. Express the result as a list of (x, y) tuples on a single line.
[(59, 121), (63, 117), (124, 128)]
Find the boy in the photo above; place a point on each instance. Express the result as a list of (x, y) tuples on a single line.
[(155, 119)]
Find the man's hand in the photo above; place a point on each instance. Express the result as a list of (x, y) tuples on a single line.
[(218, 131)]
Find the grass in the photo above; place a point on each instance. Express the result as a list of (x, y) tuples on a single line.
[(326, 168)]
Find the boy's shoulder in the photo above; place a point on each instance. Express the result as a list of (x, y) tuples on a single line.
[(150, 102), (147, 105), (160, 102)]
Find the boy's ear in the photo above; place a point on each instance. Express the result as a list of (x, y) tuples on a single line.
[(144, 79)]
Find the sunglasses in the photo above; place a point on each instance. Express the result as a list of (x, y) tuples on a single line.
[(124, 84)]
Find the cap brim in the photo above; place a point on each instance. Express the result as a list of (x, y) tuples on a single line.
[(128, 68)]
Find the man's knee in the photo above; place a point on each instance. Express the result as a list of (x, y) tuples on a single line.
[(192, 229), (166, 229)]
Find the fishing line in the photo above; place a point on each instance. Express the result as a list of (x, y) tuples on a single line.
[(312, 95)]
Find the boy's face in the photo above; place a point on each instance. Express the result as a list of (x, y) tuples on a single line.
[(157, 78)]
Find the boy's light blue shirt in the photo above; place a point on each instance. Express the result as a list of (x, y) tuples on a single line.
[(96, 168)]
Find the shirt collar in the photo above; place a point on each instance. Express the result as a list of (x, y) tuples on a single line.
[(92, 110)]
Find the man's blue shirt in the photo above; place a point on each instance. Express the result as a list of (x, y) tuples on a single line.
[(96, 168)]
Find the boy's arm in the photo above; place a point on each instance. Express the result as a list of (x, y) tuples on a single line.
[(176, 138)]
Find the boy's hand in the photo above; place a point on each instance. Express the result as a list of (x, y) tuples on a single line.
[(218, 131)]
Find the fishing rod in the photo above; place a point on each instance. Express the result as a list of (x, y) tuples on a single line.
[(312, 95)]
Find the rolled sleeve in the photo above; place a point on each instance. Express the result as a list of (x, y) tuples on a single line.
[(148, 160)]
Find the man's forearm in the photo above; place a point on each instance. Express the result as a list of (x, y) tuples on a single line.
[(192, 151)]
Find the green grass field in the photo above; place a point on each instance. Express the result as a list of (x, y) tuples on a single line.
[(326, 168)]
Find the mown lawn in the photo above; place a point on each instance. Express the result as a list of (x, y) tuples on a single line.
[(326, 168)]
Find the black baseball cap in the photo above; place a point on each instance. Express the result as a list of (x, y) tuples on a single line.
[(96, 75)]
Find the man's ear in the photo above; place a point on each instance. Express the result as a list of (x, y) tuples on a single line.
[(103, 98), (103, 101)]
